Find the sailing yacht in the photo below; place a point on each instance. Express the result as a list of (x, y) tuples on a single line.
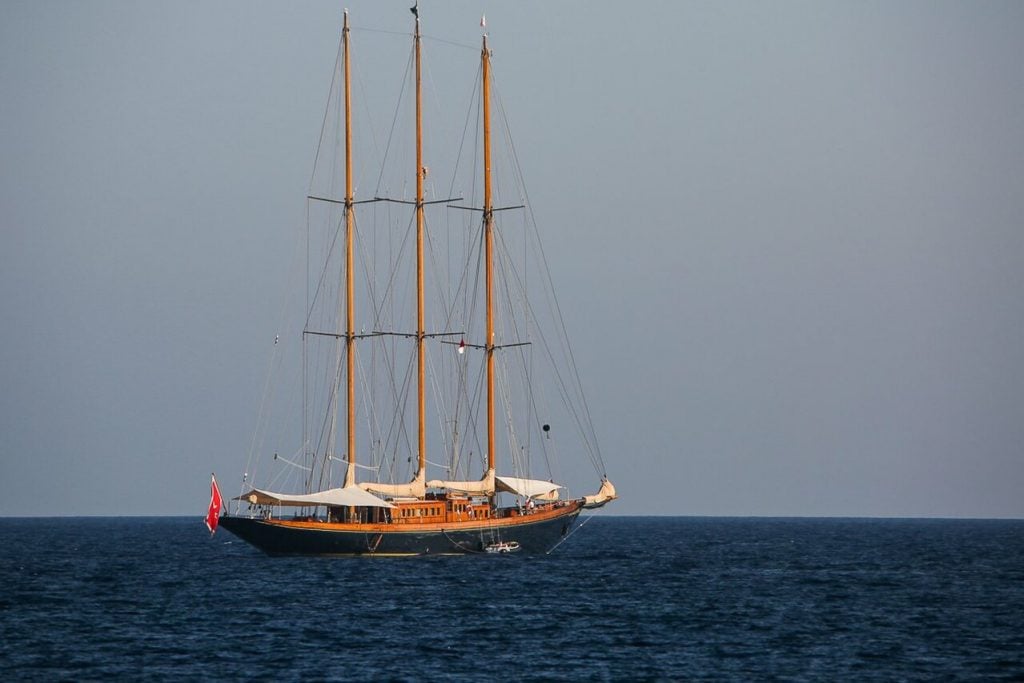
[(367, 387)]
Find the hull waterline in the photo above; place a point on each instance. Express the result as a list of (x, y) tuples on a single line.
[(285, 537)]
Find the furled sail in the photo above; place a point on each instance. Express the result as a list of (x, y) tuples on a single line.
[(529, 488), (484, 487), (605, 493), (491, 484), (417, 488)]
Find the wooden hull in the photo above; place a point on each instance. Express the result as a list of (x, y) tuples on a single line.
[(536, 533)]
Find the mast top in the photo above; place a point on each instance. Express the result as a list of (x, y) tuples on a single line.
[(415, 9)]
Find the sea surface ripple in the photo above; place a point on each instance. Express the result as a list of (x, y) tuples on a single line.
[(625, 598)]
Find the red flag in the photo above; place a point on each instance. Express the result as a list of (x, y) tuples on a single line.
[(213, 515)]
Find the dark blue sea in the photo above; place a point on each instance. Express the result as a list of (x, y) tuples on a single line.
[(625, 598)]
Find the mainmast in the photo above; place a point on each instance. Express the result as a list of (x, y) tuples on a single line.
[(489, 268), (421, 172), (417, 487), (350, 312)]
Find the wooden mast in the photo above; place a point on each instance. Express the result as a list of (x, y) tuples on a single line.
[(421, 170), (489, 268), (350, 313)]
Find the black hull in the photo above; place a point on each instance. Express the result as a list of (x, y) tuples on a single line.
[(276, 538)]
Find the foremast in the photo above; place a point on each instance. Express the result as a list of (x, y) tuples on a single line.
[(417, 488)]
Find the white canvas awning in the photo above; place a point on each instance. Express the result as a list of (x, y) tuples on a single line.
[(351, 496), (531, 488)]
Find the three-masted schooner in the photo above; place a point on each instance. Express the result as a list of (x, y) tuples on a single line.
[(421, 516)]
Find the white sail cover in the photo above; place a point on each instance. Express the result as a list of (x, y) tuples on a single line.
[(483, 487), (530, 488), (603, 495), (417, 488), (350, 496)]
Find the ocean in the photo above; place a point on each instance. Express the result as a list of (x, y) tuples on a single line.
[(624, 598)]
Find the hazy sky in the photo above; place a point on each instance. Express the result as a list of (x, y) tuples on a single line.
[(790, 240)]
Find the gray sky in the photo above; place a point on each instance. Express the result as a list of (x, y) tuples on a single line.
[(789, 240)]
